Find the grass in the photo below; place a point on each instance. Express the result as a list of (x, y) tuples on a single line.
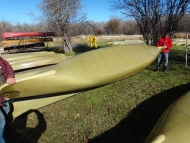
[(122, 112)]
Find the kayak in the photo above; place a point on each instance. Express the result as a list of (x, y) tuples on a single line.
[(84, 71)]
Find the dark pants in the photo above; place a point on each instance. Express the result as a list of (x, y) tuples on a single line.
[(3, 111), (2, 79), (160, 57)]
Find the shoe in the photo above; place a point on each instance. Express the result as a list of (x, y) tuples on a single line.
[(157, 70), (165, 71)]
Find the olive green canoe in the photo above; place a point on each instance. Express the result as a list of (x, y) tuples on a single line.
[(20, 107), (4, 55), (28, 64), (174, 124), (28, 73), (38, 58), (90, 69), (11, 57)]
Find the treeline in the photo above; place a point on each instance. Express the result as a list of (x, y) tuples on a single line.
[(112, 27)]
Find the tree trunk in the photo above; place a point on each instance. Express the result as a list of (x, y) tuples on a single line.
[(66, 44)]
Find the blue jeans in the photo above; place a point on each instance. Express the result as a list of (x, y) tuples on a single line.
[(160, 57), (4, 110)]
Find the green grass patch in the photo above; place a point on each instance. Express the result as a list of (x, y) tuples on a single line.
[(122, 112)]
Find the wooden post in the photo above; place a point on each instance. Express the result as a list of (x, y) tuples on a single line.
[(186, 50)]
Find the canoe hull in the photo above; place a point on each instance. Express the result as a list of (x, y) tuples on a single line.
[(38, 62), (15, 57), (84, 71), (20, 42), (174, 125), (22, 106), (6, 35)]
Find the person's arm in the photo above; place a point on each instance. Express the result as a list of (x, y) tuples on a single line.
[(8, 72), (169, 46)]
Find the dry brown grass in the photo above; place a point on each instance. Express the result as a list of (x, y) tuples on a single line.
[(101, 38), (179, 39), (104, 38)]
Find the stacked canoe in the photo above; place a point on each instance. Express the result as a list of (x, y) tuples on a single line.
[(22, 40), (26, 61)]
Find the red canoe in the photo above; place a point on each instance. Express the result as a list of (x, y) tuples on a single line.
[(25, 34)]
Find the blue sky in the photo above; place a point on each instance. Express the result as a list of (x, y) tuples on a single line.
[(99, 10), (17, 11)]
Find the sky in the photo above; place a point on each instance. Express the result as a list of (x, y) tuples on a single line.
[(17, 11)]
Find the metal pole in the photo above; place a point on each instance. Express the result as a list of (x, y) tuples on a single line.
[(186, 50)]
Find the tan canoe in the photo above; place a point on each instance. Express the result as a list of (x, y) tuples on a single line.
[(36, 102), (28, 73), (28, 64), (25, 57), (174, 124), (84, 71), (25, 105), (8, 43), (38, 58), (9, 57), (21, 106)]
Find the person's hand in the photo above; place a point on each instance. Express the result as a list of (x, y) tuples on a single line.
[(165, 47), (6, 98), (11, 81)]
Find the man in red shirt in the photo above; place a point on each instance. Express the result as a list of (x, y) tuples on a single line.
[(166, 42), (6, 76)]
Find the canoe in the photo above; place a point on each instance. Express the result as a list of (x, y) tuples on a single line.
[(20, 54), (31, 72), (28, 73), (12, 57), (21, 106), (19, 42), (84, 71), (24, 47), (173, 126), (25, 105), (36, 58), (28, 64), (6, 35), (33, 60)]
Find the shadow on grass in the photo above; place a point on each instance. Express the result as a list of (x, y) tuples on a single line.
[(139, 122), (86, 48), (17, 132)]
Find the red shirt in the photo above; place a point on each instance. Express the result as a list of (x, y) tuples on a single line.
[(6, 68), (165, 41)]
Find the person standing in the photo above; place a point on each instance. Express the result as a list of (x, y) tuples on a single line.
[(7, 75), (166, 42)]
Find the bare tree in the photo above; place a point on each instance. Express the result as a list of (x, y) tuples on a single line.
[(129, 27), (112, 26), (81, 28), (59, 15), (5, 26), (153, 17), (184, 27)]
